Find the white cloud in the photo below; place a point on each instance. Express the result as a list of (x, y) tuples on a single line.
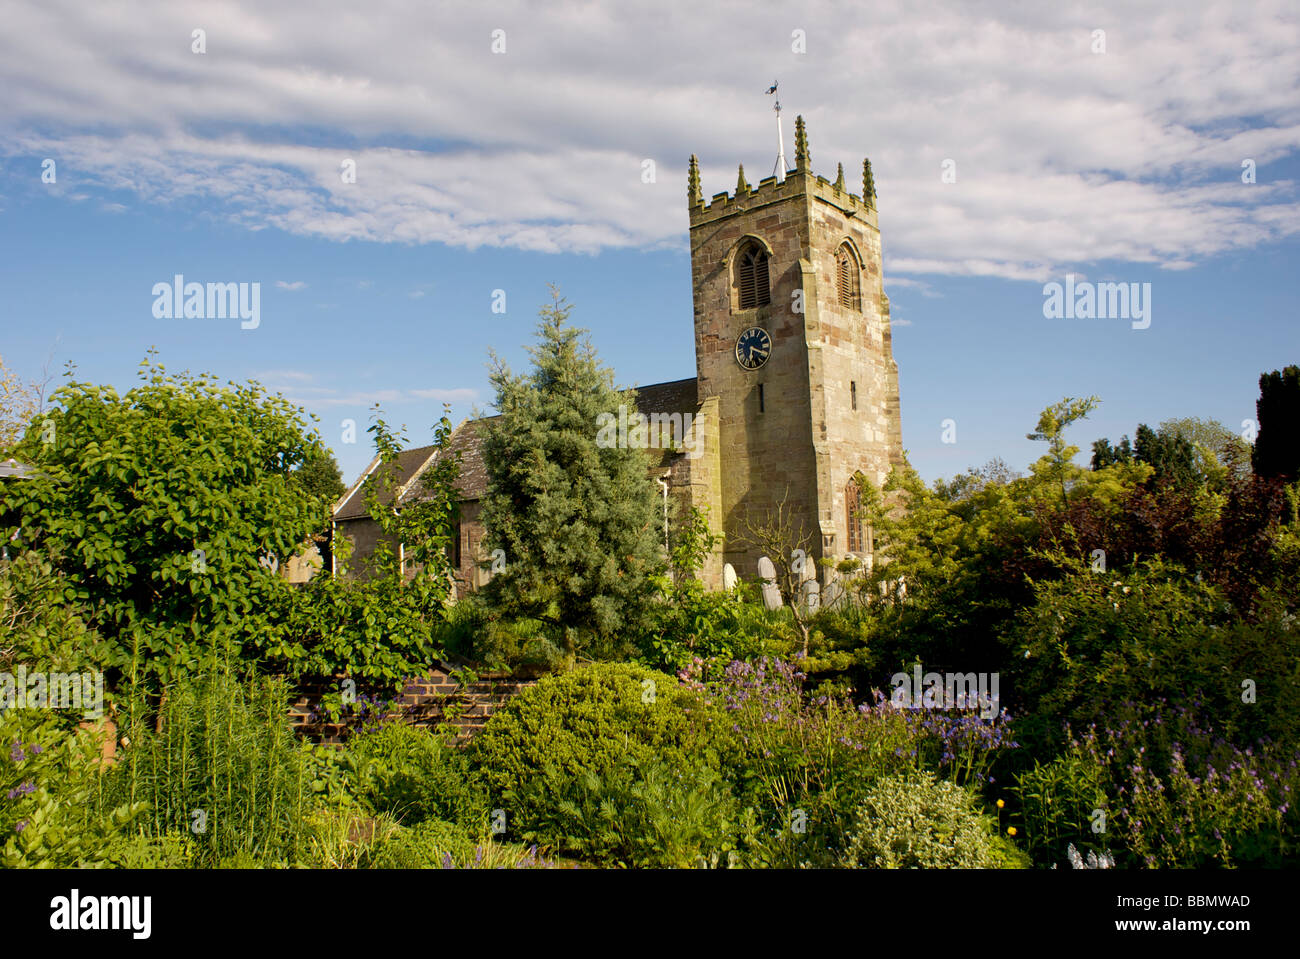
[(295, 285), (1063, 156)]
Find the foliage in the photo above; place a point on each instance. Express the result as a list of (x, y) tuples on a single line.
[(49, 779), (1056, 467), (221, 763), (1059, 803), (576, 519), (39, 627), (163, 506), (20, 401), (1181, 795), (638, 813), (416, 775), (807, 763), (1276, 453), (588, 719), (431, 843), (921, 822), (1095, 640), (319, 476)]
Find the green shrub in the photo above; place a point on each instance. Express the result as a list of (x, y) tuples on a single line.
[(638, 814), (416, 775), (50, 785), (430, 844), (172, 850), (920, 822), (589, 719), (1057, 802)]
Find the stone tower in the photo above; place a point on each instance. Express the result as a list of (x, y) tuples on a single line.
[(792, 337)]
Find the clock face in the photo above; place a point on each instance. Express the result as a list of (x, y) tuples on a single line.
[(753, 347)]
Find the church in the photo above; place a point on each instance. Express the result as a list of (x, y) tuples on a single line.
[(796, 388)]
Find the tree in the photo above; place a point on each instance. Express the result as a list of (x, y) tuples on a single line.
[(1057, 464), (20, 401), (575, 519), (319, 475), (1277, 447), (781, 535), (1218, 454), (167, 509)]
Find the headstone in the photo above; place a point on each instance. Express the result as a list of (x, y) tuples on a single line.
[(728, 576), (767, 573), (834, 593), (812, 595)]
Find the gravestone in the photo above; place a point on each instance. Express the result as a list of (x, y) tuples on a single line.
[(812, 595), (834, 594), (728, 577), (767, 573)]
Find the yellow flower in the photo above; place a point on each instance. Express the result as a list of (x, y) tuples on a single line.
[(1001, 804), (1011, 830)]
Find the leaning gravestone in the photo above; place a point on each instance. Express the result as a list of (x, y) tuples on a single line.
[(767, 573), (728, 577)]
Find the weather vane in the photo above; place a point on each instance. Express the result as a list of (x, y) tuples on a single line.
[(779, 168)]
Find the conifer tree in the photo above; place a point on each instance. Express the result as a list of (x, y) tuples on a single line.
[(1277, 448), (575, 519)]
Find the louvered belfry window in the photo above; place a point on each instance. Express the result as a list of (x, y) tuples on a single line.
[(846, 269), (751, 277), (853, 504)]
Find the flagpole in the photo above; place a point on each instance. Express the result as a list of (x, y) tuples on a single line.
[(779, 169)]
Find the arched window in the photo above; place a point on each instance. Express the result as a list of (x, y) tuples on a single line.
[(751, 277), (853, 508), (847, 277)]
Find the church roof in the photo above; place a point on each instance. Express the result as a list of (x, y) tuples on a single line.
[(677, 396)]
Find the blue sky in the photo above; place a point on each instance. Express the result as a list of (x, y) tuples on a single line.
[(481, 171)]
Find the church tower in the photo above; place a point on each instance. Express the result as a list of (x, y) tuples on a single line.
[(792, 338)]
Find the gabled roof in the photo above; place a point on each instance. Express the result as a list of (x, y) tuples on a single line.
[(677, 396), (409, 463)]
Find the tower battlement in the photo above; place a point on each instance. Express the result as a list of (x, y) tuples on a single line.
[(801, 181)]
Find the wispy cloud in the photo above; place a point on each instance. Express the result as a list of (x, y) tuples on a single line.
[(295, 285), (1062, 156)]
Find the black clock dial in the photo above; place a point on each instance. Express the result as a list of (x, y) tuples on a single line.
[(753, 347)]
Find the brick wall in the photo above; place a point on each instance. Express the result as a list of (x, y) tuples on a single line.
[(427, 702)]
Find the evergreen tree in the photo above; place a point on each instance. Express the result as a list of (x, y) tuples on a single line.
[(319, 475), (576, 519), (1277, 447)]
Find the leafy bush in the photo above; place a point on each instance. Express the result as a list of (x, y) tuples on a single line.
[(1058, 800), (921, 822), (1094, 641), (49, 782), (588, 719), (809, 761), (162, 505), (638, 814), (430, 843), (416, 775), (40, 628)]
